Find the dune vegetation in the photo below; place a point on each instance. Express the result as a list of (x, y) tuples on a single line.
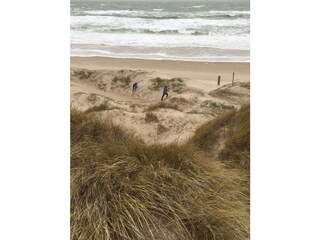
[(124, 189), (101, 107), (162, 105), (232, 129), (124, 81), (176, 84), (151, 117)]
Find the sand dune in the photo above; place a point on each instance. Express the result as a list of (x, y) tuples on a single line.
[(103, 86)]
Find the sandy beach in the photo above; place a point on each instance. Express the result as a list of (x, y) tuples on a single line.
[(104, 86), (201, 74)]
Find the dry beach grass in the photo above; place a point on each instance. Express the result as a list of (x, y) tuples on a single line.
[(122, 188), (231, 128)]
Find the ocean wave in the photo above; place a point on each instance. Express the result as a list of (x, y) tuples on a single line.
[(177, 53), (160, 14), (164, 24), (182, 27), (161, 31), (222, 16), (138, 40), (198, 6), (200, 33), (229, 12), (144, 31), (182, 31), (156, 14), (173, 32), (147, 31)]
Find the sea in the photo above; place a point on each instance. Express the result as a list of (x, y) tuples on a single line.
[(211, 31)]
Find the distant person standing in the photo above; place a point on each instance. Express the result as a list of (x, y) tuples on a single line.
[(134, 87), (165, 92)]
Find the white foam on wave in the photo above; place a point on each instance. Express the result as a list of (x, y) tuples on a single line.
[(164, 41), (101, 12), (198, 6), (160, 13), (158, 56), (229, 12), (163, 24)]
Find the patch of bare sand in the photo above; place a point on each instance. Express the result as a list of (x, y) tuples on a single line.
[(171, 125)]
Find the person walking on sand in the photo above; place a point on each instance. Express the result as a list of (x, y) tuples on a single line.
[(165, 92), (134, 87)]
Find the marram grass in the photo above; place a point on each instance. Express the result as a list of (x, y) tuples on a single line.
[(122, 189), (231, 128)]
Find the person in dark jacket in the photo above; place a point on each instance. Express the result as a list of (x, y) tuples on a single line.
[(134, 87), (165, 92)]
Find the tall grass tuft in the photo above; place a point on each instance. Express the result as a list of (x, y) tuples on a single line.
[(237, 146), (176, 84), (232, 128), (124, 189), (162, 105), (101, 107), (151, 117), (123, 81)]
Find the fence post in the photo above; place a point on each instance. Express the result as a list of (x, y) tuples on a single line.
[(219, 77), (232, 78)]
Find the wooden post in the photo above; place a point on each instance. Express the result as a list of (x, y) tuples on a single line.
[(232, 78), (219, 77)]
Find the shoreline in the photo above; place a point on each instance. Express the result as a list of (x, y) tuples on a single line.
[(203, 54), (156, 59), (77, 59)]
